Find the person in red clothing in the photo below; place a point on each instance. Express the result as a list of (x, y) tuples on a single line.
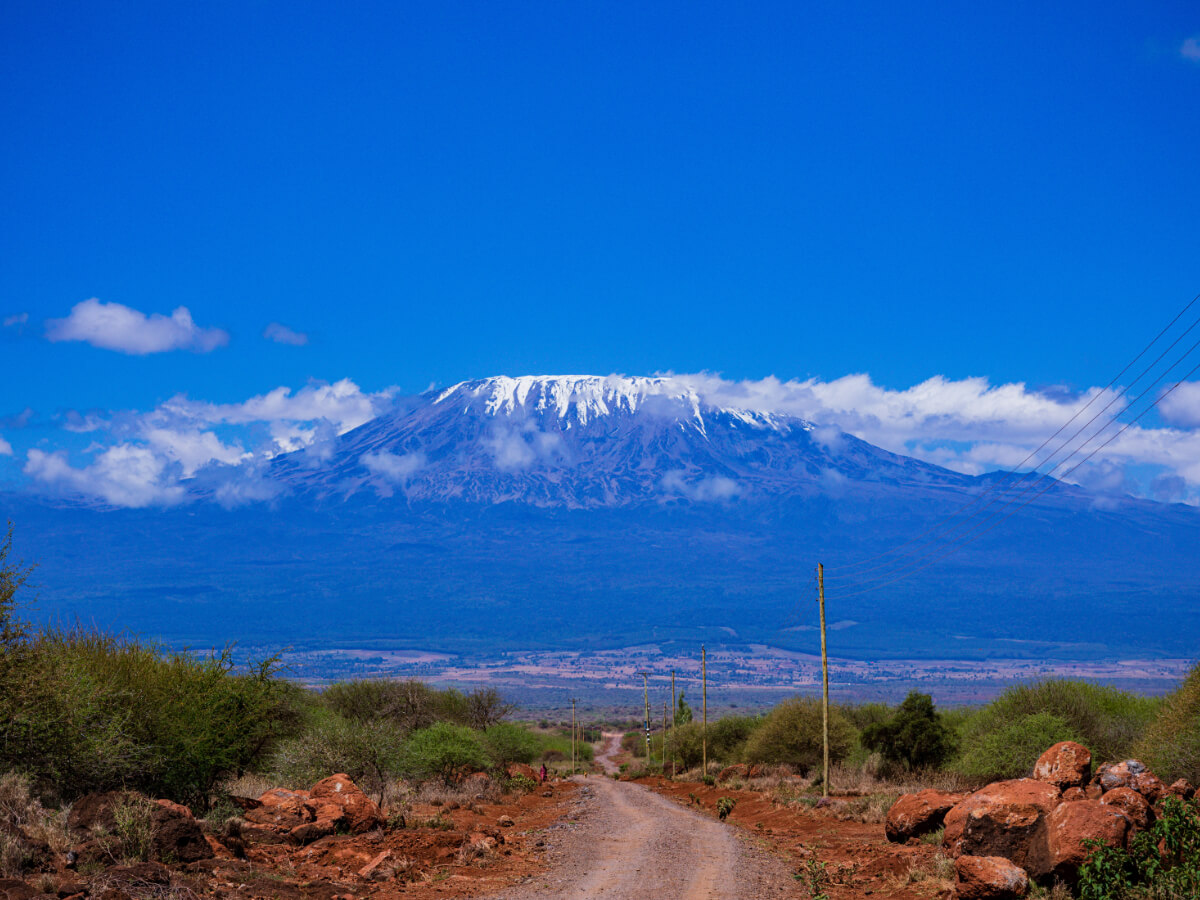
[(542, 774)]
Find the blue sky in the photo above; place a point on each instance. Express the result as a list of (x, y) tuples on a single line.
[(418, 195)]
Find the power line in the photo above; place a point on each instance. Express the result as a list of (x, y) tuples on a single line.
[(1017, 495), (996, 485), (971, 538)]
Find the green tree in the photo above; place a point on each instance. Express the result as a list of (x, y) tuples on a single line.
[(442, 751), (683, 712), (791, 733), (914, 736), (508, 742)]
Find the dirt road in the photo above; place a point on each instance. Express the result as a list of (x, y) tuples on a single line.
[(625, 841)]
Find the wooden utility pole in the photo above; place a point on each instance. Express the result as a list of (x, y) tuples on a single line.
[(824, 679), (674, 711), (664, 737), (704, 709), (573, 701), (646, 698)]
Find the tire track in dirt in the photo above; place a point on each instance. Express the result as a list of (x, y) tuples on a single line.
[(629, 842)]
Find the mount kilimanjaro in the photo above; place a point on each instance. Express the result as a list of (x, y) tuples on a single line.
[(583, 511)]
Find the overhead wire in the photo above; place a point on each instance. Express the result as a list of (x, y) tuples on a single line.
[(1014, 495), (938, 526), (970, 538)]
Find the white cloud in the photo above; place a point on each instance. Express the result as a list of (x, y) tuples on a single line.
[(712, 488), (393, 468), (343, 403), (973, 426), (281, 334), (1182, 405), (16, 319), (113, 326), (519, 448), (123, 475), (1190, 49), (5, 448)]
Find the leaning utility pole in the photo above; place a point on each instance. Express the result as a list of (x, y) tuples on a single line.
[(704, 709), (573, 701), (824, 678), (674, 712), (646, 698)]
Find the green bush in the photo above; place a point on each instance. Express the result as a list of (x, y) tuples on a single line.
[(728, 735), (1161, 863), (1105, 720), (685, 746), (1171, 744), (510, 743), (914, 736), (442, 751), (367, 751), (1010, 747), (413, 704), (90, 711), (791, 733)]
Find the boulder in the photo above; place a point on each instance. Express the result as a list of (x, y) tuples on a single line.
[(1115, 775), (1066, 764), (921, 813), (1071, 794), (522, 770), (1149, 786), (1181, 789), (13, 889), (1093, 791), (177, 835), (738, 770), (282, 797), (1133, 804), (1067, 828), (1006, 819), (989, 878), (339, 799), (505, 822)]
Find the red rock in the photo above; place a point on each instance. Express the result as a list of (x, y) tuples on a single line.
[(1066, 764), (1115, 775), (1133, 804), (1093, 791), (281, 797), (989, 878), (1181, 788), (1071, 794), (369, 869), (515, 769), (1149, 786), (311, 831), (177, 808), (1003, 819), (738, 770), (913, 815), (1067, 828), (359, 812)]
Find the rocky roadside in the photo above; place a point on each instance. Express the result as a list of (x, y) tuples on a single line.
[(331, 842)]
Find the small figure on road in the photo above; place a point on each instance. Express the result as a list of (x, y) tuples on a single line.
[(542, 774)]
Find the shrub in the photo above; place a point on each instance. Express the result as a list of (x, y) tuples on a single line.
[(1171, 744), (368, 751), (792, 733), (510, 743), (728, 735), (1010, 747), (914, 736), (1105, 720), (444, 751), (92, 711), (413, 704), (1161, 863), (685, 745)]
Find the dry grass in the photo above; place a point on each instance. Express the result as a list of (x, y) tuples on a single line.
[(871, 808), (27, 822), (476, 854), (872, 778), (252, 785), (936, 875), (138, 889)]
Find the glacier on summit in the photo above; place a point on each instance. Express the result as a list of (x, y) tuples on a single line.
[(586, 441)]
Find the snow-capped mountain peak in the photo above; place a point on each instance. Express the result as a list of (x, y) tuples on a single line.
[(580, 398)]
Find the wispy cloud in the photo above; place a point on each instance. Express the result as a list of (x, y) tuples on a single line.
[(144, 458), (281, 334), (113, 326), (1190, 49), (5, 448), (16, 320)]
